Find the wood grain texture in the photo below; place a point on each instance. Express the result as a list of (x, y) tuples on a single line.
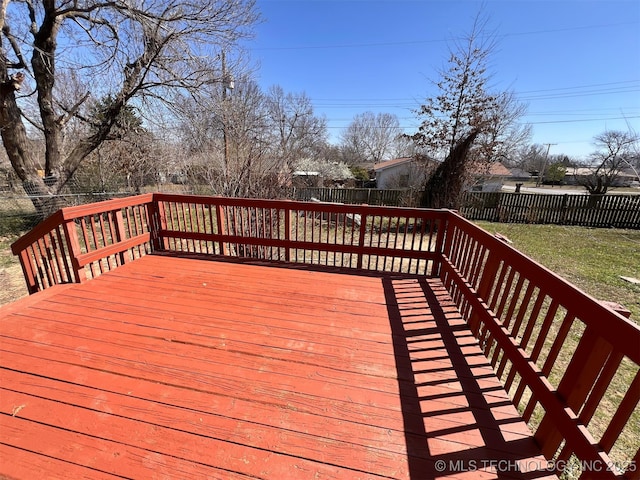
[(181, 368)]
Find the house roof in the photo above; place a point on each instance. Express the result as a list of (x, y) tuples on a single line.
[(494, 169), (520, 173), (586, 171), (392, 163)]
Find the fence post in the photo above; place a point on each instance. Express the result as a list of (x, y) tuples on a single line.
[(498, 207)]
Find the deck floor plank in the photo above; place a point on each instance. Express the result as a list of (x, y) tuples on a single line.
[(206, 369)]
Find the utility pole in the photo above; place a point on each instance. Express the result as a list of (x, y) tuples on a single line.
[(227, 83), (544, 165)]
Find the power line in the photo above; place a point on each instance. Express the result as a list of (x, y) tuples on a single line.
[(637, 81), (524, 92), (623, 87), (582, 120), (431, 41)]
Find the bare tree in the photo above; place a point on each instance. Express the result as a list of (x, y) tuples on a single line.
[(212, 129), (466, 109), (371, 138), (502, 133), (531, 158), (131, 49), (463, 103), (296, 132), (616, 150)]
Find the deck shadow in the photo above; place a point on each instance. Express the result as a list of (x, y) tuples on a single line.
[(452, 382)]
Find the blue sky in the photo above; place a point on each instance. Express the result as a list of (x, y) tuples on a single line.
[(575, 63)]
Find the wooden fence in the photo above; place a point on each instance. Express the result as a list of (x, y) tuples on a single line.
[(358, 196), (618, 211)]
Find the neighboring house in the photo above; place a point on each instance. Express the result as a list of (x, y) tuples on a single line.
[(404, 172), (578, 176), (489, 177), (519, 175)]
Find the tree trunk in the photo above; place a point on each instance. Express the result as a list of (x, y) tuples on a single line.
[(16, 143), (444, 187)]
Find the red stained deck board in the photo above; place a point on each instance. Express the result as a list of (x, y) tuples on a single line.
[(205, 369)]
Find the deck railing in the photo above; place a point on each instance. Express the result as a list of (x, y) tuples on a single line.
[(570, 364)]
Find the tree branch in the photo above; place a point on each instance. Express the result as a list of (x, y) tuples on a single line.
[(71, 112), (16, 49)]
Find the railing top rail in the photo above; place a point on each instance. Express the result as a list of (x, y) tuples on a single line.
[(37, 232), (302, 205), (70, 213)]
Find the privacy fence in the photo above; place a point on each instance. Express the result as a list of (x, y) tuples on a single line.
[(357, 196), (619, 211)]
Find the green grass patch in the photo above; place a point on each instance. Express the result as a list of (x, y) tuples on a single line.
[(592, 259)]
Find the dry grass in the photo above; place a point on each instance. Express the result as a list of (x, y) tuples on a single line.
[(11, 279)]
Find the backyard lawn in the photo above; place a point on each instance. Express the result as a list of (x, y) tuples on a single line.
[(593, 259)]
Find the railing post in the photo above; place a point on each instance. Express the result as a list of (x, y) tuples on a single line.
[(363, 231), (121, 235), (287, 233), (157, 222), (485, 284), (71, 235), (221, 230), (442, 234), (27, 269)]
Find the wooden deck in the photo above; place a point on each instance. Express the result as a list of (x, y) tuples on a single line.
[(182, 368)]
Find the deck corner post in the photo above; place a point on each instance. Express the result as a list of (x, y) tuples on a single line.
[(442, 236), (71, 236), (157, 223)]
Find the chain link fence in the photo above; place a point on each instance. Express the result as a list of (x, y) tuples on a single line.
[(18, 214)]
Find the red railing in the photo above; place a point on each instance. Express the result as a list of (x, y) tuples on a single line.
[(567, 361), (570, 364), (82, 242)]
